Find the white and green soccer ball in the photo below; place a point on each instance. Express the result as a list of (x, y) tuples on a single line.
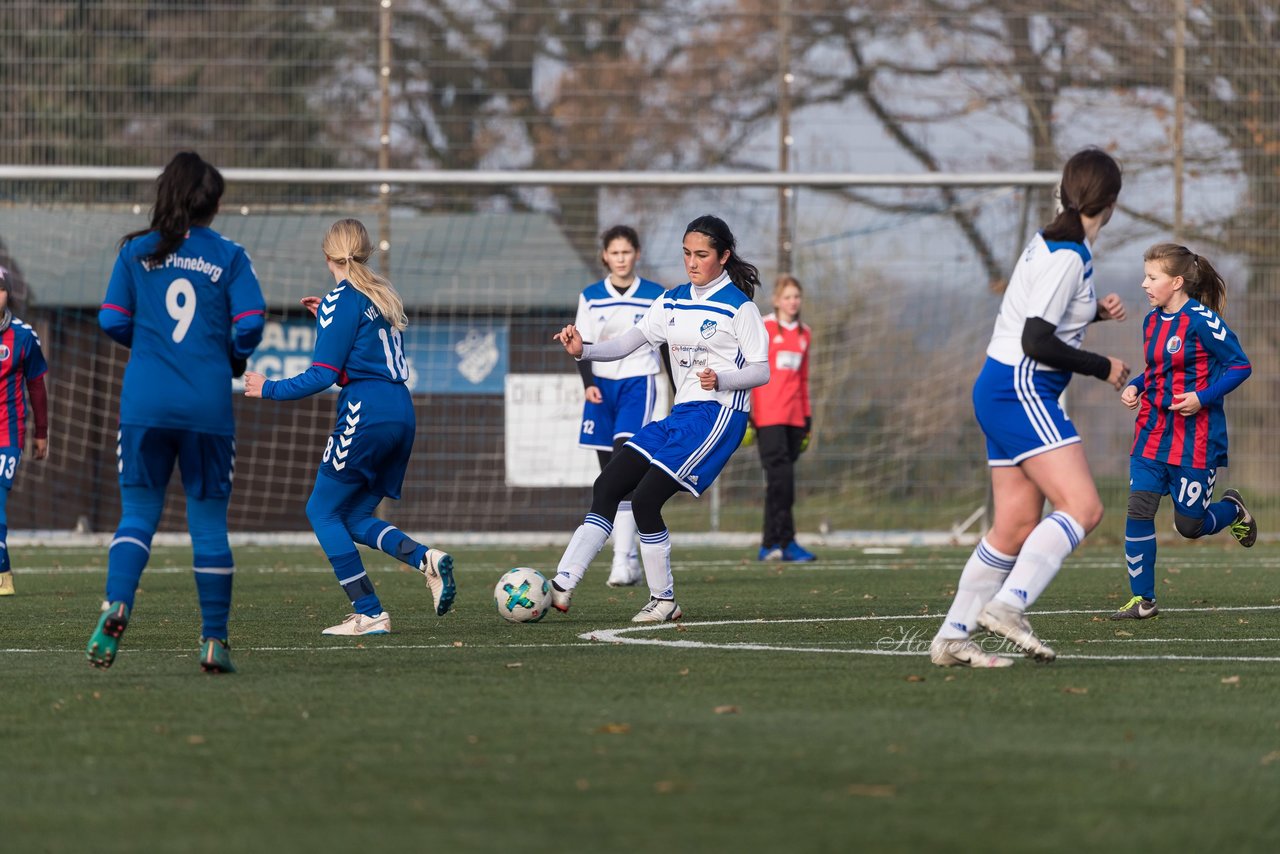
[(523, 595)]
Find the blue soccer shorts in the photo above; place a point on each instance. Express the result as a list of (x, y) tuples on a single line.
[(376, 455), (1020, 412), (626, 407), (145, 457), (9, 459), (693, 443), (1190, 488)]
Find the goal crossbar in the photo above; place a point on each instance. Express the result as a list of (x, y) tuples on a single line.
[(461, 177)]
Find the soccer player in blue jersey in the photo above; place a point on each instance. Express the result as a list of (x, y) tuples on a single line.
[(1033, 450), (1193, 361), (719, 352), (360, 346), (22, 370), (187, 303), (620, 394)]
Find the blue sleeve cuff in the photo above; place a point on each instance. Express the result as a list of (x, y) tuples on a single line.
[(117, 325), (1227, 383)]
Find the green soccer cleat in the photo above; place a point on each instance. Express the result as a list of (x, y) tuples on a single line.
[(1137, 608), (1245, 527), (105, 640), (215, 656)]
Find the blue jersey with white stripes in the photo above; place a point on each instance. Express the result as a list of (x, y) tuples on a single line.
[(356, 347), (184, 319)]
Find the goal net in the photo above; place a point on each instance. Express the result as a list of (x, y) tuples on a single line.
[(900, 300)]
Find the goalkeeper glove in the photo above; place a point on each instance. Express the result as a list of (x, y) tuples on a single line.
[(808, 431), (749, 437)]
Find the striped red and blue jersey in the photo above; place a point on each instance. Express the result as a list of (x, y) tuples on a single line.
[(20, 360), (1191, 350)]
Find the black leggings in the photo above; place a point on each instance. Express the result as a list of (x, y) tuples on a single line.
[(779, 449), (629, 473)]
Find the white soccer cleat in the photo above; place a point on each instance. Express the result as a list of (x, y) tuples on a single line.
[(356, 625), (437, 568), (962, 652), (561, 599), (1011, 624), (658, 611), (627, 571), (6, 584)]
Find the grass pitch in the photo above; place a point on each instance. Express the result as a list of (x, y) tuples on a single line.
[(793, 710)]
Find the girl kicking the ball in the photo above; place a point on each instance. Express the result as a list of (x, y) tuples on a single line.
[(719, 352)]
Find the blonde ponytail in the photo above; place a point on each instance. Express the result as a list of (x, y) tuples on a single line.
[(347, 244)]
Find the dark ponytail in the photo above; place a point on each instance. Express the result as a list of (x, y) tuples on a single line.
[(187, 194), (744, 275), (1090, 184), (1200, 281)]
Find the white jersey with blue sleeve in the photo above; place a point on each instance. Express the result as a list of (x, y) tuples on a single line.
[(604, 313), (1053, 280), (716, 327)]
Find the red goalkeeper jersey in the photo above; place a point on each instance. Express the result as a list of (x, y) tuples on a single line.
[(785, 398)]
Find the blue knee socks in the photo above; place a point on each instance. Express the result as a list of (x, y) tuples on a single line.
[(131, 547), (1140, 556), (212, 562), (330, 501)]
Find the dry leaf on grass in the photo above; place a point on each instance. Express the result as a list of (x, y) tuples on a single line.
[(1073, 690), (727, 710), (512, 665), (195, 739), (1121, 633), (1273, 756), (873, 790), (614, 729), (1231, 680), (913, 677)]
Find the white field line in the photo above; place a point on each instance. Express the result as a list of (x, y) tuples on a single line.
[(684, 566), (892, 645), (601, 638), (345, 648)]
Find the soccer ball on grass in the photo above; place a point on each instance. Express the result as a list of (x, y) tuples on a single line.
[(523, 595)]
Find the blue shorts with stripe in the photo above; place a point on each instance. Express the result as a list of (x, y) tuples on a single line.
[(627, 405), (1190, 488), (1019, 411), (373, 439), (145, 457), (694, 442)]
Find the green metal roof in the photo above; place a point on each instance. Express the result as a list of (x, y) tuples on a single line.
[(482, 261)]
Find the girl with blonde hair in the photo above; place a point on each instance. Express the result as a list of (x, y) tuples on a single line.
[(360, 346)]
